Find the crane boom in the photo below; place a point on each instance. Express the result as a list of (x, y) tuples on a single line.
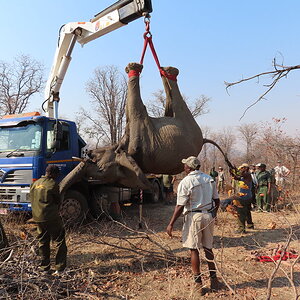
[(119, 14)]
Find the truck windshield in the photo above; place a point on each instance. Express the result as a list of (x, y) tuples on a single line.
[(25, 138)]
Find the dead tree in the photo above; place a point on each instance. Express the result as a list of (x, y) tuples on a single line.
[(248, 133), (108, 91), (18, 82)]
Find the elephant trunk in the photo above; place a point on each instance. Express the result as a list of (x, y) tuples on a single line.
[(75, 175)]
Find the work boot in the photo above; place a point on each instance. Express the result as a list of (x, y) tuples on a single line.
[(198, 287), (214, 284), (250, 226)]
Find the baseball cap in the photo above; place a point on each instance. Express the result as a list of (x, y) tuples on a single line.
[(261, 165), (192, 161), (244, 165)]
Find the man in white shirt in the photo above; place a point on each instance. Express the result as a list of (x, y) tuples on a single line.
[(198, 200), (280, 174)]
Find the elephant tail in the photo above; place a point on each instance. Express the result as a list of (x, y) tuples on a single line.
[(208, 141)]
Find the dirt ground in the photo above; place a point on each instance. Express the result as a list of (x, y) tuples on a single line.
[(108, 260)]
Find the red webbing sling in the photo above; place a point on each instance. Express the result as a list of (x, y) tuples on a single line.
[(148, 41)]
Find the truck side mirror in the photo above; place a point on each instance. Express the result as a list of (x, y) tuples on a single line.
[(58, 135), (58, 131)]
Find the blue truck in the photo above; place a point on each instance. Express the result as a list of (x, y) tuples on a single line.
[(26, 148), (29, 142)]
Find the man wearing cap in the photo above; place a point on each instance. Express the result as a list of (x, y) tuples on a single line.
[(45, 201), (198, 200), (263, 188)]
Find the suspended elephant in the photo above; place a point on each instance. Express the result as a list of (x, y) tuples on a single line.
[(149, 145)]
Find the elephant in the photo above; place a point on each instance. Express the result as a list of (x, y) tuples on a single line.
[(149, 145)]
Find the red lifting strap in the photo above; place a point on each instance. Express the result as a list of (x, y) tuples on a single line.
[(148, 41), (285, 256)]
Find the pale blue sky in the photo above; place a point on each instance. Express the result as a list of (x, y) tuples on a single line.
[(209, 41)]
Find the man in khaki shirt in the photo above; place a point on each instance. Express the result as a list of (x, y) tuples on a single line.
[(198, 200)]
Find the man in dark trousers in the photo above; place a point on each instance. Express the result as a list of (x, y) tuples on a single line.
[(198, 200), (45, 201), (263, 188)]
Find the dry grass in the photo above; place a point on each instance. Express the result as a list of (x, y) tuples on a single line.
[(114, 261)]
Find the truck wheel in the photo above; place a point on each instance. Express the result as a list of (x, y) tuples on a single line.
[(74, 208), (156, 195), (100, 204)]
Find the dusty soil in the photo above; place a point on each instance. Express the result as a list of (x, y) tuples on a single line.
[(108, 260)]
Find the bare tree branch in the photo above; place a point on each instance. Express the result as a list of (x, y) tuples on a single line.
[(198, 107), (279, 72)]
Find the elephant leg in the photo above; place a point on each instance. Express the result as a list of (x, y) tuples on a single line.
[(175, 105), (138, 123), (135, 109)]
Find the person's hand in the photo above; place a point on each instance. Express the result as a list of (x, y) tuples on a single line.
[(169, 230)]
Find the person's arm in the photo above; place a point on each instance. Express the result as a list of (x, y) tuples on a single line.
[(287, 172), (269, 184), (177, 213)]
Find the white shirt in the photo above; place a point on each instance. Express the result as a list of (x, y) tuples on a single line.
[(281, 171), (196, 192)]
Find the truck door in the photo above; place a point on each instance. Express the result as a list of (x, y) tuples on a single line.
[(61, 156)]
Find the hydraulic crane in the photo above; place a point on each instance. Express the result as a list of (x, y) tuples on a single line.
[(112, 18)]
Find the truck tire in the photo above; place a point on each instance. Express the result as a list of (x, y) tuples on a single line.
[(99, 204), (156, 195), (74, 208)]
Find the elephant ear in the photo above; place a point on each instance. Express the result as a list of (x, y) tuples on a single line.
[(130, 170)]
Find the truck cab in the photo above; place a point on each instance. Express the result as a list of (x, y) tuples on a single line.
[(27, 146)]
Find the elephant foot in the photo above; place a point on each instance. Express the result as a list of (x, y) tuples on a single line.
[(169, 72), (133, 69)]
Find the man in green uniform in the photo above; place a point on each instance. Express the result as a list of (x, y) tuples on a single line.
[(263, 188), (45, 201)]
